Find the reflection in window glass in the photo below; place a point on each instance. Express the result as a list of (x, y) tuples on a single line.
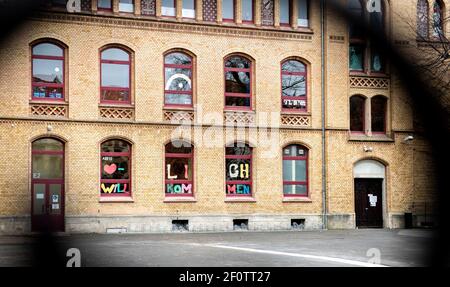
[(168, 8), (356, 57), (295, 177), (237, 82), (357, 115), (302, 6), (178, 79), (247, 10), (48, 166), (285, 11), (228, 9), (126, 6), (47, 71), (47, 49), (356, 14), (115, 75), (104, 4), (188, 10), (376, 60), (293, 85)]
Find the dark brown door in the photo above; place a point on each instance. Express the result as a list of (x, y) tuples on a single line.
[(368, 202), (47, 186)]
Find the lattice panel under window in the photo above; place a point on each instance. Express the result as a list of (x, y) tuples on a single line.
[(267, 14), (210, 10), (178, 116), (295, 120), (48, 110), (117, 113), (369, 83), (239, 118)]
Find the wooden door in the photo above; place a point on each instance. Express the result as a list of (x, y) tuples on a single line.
[(368, 202)]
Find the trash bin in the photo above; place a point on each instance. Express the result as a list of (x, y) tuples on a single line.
[(408, 220)]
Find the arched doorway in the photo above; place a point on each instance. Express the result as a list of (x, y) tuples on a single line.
[(47, 185), (369, 183)]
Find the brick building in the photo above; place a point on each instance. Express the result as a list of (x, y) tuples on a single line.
[(144, 115)]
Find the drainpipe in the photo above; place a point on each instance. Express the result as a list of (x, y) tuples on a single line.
[(324, 170)]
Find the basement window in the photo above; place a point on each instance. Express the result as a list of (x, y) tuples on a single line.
[(240, 224), (298, 224), (180, 225)]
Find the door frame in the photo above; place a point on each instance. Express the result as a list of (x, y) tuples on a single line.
[(361, 170), (47, 182)]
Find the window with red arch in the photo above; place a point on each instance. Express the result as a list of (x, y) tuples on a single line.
[(115, 74), (238, 83), (115, 168), (47, 71), (238, 174), (178, 86), (293, 85), (295, 171), (179, 169)]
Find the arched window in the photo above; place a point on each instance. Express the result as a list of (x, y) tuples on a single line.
[(228, 10), (179, 169), (438, 19), (238, 174), (293, 85), (238, 83), (422, 19), (115, 168), (48, 71), (115, 75), (357, 114), (378, 108), (247, 11), (295, 171), (178, 79)]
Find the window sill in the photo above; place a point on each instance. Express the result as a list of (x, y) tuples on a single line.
[(49, 102), (240, 199), (187, 108), (373, 138), (115, 105), (172, 199), (106, 199), (296, 199), (290, 113)]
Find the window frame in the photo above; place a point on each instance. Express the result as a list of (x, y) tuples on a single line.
[(234, 13), (127, 12), (235, 182), (43, 57), (130, 168), (363, 116), (385, 107), (238, 95), (305, 74), (288, 24), (253, 13), (174, 7), (116, 62), (105, 9), (179, 181), (177, 66), (289, 182)]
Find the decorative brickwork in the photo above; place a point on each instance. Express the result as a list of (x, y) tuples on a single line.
[(48, 110), (267, 13), (245, 118), (148, 7), (118, 113), (369, 83), (178, 116), (296, 120), (210, 10)]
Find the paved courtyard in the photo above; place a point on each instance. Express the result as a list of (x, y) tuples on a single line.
[(234, 249)]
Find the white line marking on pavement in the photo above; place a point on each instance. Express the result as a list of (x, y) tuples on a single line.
[(316, 257)]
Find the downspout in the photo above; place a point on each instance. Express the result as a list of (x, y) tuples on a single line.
[(324, 170)]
